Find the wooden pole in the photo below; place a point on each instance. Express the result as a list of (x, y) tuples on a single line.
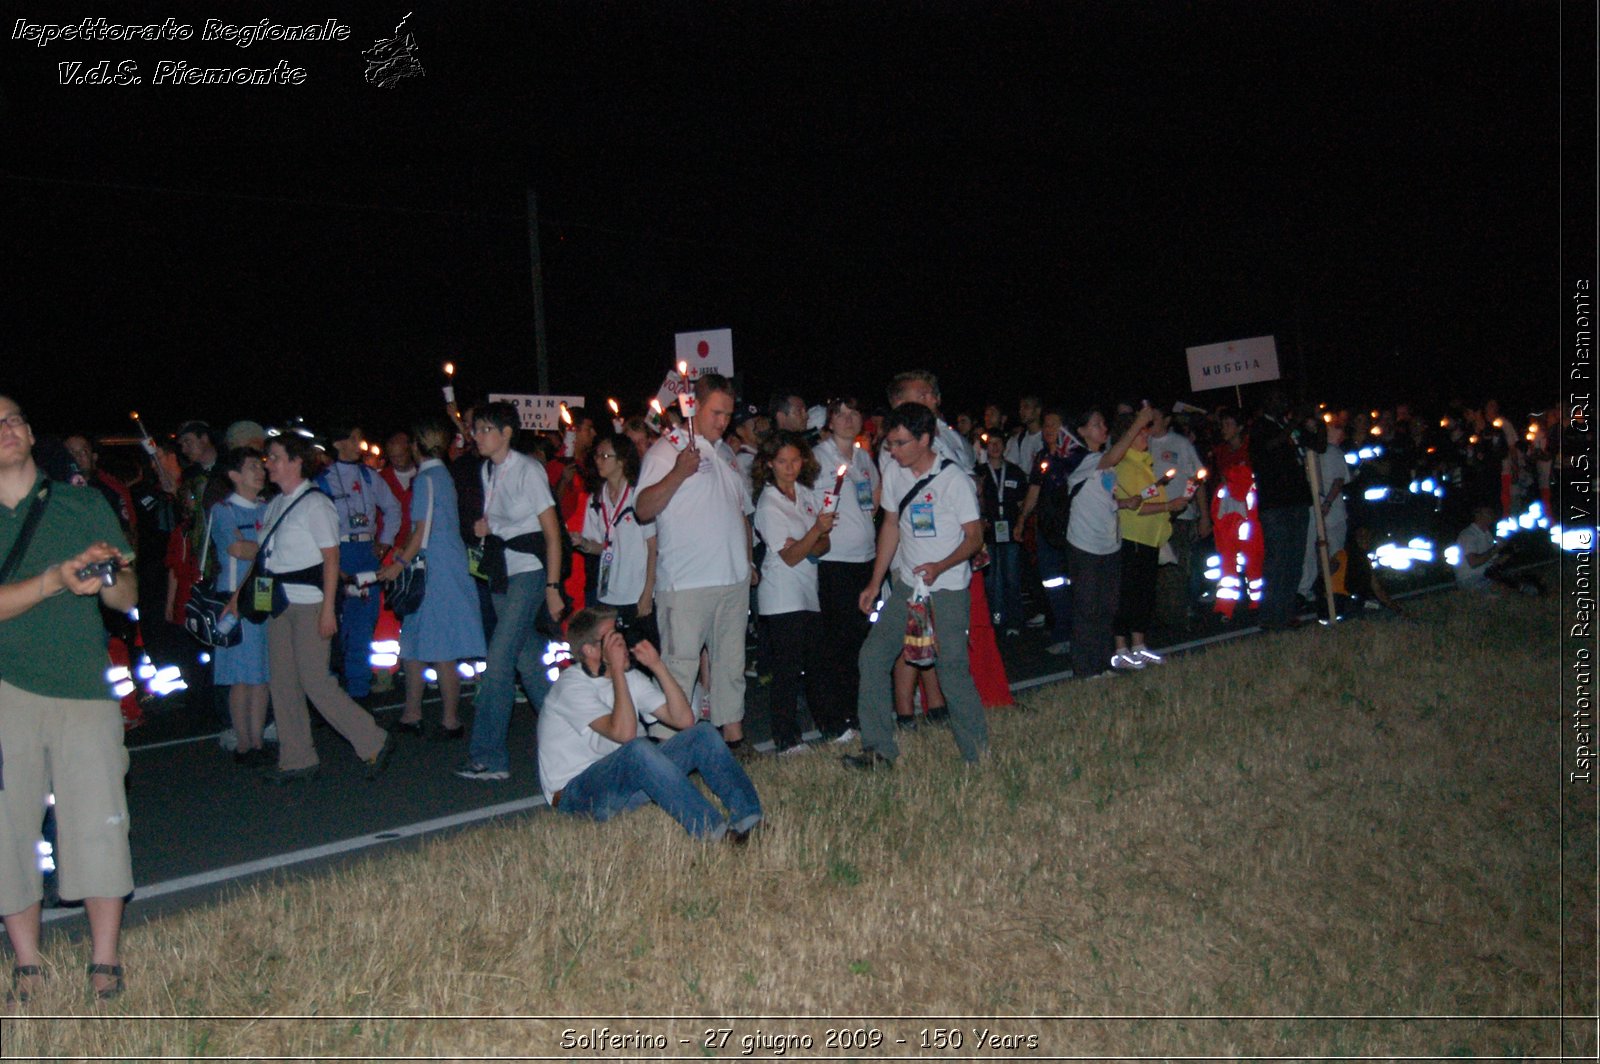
[(1314, 478)]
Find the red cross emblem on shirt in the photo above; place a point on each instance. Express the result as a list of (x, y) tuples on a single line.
[(355, 489), (927, 497)]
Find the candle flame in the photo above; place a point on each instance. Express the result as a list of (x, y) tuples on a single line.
[(843, 470), (1171, 473), (655, 405), (449, 369), (566, 415), (1327, 419), (683, 368), (612, 403), (1200, 474), (1499, 422), (1472, 439), (134, 414), (1444, 422), (1377, 430), (1044, 466)]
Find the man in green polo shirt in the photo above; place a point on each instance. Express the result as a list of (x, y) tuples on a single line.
[(56, 711)]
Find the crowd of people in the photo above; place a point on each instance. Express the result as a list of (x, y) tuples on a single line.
[(844, 537)]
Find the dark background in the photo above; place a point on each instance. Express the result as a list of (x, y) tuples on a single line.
[(1050, 197)]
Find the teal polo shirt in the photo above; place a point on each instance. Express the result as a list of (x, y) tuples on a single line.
[(58, 648)]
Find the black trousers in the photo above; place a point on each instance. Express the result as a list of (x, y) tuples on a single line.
[(1096, 590), (792, 647), (1141, 565), (844, 629)]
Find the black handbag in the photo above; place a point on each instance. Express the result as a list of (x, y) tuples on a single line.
[(261, 591), (203, 613), (403, 595)]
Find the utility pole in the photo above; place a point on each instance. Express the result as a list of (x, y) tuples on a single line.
[(540, 354)]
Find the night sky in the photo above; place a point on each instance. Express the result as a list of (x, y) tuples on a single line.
[(1049, 197)]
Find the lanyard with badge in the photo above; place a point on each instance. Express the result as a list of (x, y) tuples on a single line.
[(608, 553), (1002, 527)]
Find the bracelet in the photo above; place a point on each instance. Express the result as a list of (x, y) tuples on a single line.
[(553, 583)]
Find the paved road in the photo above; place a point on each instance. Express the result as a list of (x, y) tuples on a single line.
[(200, 822)]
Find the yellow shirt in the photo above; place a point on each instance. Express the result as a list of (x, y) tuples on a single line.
[(1136, 472)]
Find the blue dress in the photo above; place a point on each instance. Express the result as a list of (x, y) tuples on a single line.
[(234, 519), (447, 625)]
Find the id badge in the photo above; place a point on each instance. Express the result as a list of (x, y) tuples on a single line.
[(864, 494), (922, 526), (475, 562), (261, 594), (1002, 531), (607, 557)]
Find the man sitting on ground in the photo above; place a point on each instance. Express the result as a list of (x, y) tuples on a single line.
[(594, 759)]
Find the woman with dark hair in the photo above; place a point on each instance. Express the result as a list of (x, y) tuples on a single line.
[(234, 508), (447, 625), (301, 553), (1145, 518), (625, 549), (791, 521), (846, 568)]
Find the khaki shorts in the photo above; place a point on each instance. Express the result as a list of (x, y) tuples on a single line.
[(71, 747)]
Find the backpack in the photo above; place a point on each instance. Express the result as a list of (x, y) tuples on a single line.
[(1055, 498)]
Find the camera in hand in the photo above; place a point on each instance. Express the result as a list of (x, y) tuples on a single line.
[(105, 572)]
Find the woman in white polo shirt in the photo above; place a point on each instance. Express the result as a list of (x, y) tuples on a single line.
[(790, 521), (611, 532), (301, 551)]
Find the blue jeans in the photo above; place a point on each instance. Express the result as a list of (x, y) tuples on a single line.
[(516, 649), (1003, 583), (642, 772), (1284, 530), (1057, 590), (357, 618)]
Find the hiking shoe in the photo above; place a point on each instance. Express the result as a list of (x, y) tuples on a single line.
[(380, 760), (867, 761), (278, 777), (1058, 649), (1126, 661), (1148, 656), (474, 771)]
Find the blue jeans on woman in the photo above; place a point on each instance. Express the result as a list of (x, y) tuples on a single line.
[(516, 649), (641, 772)]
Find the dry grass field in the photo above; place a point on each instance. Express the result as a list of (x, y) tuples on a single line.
[(1328, 831)]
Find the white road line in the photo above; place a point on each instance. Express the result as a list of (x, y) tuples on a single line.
[(144, 892)]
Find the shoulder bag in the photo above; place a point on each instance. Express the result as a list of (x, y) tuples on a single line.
[(403, 594)]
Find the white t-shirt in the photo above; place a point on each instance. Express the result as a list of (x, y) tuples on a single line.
[(786, 588), (1093, 526), (1174, 451), (622, 576), (567, 744), (1331, 467), (515, 493), (854, 538), (1024, 449), (700, 535), (1473, 540), (930, 529), (299, 541)]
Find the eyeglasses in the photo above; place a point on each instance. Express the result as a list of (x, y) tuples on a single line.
[(607, 455), (894, 444), (14, 422)]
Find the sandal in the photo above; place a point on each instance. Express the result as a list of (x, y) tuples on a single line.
[(112, 991), (18, 994)]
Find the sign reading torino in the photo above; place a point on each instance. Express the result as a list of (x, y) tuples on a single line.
[(1233, 363), (538, 411)]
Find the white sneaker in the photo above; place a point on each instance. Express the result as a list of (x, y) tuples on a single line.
[(1122, 659), (1036, 621), (1058, 648), (847, 736), (795, 751), (228, 739), (1148, 656)]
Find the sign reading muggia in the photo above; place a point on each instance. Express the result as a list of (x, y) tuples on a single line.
[(1235, 362)]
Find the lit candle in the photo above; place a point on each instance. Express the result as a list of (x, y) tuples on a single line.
[(655, 411), (145, 441), (1327, 419), (687, 404), (838, 481), (616, 415), (1377, 430), (569, 438), (1499, 422), (683, 374), (449, 382)]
